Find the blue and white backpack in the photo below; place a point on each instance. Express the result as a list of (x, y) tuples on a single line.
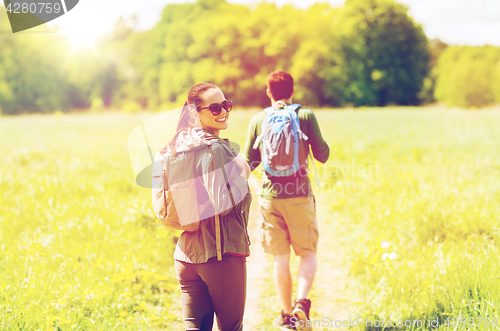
[(280, 136)]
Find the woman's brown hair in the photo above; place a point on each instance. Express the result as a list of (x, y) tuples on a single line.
[(186, 119)]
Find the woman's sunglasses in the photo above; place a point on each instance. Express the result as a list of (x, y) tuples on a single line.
[(216, 108)]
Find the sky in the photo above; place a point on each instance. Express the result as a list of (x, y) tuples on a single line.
[(456, 22)]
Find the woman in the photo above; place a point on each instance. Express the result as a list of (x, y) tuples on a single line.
[(211, 262)]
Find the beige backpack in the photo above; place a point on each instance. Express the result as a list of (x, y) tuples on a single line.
[(163, 196), (187, 205)]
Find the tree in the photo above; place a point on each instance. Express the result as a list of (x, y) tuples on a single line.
[(30, 71), (368, 52), (222, 43), (436, 48), (310, 60), (469, 76), (380, 55)]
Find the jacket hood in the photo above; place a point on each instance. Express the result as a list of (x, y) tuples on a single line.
[(194, 139)]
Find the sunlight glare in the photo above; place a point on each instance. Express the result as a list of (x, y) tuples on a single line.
[(81, 37)]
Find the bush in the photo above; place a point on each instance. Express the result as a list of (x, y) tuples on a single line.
[(469, 76), (132, 107), (97, 105)]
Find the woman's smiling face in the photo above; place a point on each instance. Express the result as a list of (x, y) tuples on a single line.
[(207, 119)]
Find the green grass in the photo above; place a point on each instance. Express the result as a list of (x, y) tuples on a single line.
[(80, 248), (433, 194)]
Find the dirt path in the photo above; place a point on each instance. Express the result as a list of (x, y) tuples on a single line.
[(332, 289), (258, 266)]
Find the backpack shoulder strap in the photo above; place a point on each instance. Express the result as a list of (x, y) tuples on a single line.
[(217, 219), (257, 141), (295, 107), (268, 110)]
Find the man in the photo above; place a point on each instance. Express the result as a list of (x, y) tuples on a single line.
[(288, 207)]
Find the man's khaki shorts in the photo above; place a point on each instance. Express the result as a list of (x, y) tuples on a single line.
[(288, 222)]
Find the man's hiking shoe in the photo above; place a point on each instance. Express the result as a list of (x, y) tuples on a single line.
[(301, 313), (284, 321)]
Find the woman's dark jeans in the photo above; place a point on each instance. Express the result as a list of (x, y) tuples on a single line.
[(214, 286)]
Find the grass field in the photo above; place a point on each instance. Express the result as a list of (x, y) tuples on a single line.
[(408, 204)]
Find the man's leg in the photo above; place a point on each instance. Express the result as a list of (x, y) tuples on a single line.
[(283, 280), (300, 216), (303, 229), (307, 270)]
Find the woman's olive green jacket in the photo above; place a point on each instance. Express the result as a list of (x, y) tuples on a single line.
[(209, 156)]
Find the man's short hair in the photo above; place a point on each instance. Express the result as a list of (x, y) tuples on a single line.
[(280, 84)]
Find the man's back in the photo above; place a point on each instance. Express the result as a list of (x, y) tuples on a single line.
[(298, 184)]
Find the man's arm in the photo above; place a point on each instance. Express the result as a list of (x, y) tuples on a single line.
[(251, 155), (319, 147)]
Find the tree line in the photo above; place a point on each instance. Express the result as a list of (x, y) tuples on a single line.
[(364, 53)]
